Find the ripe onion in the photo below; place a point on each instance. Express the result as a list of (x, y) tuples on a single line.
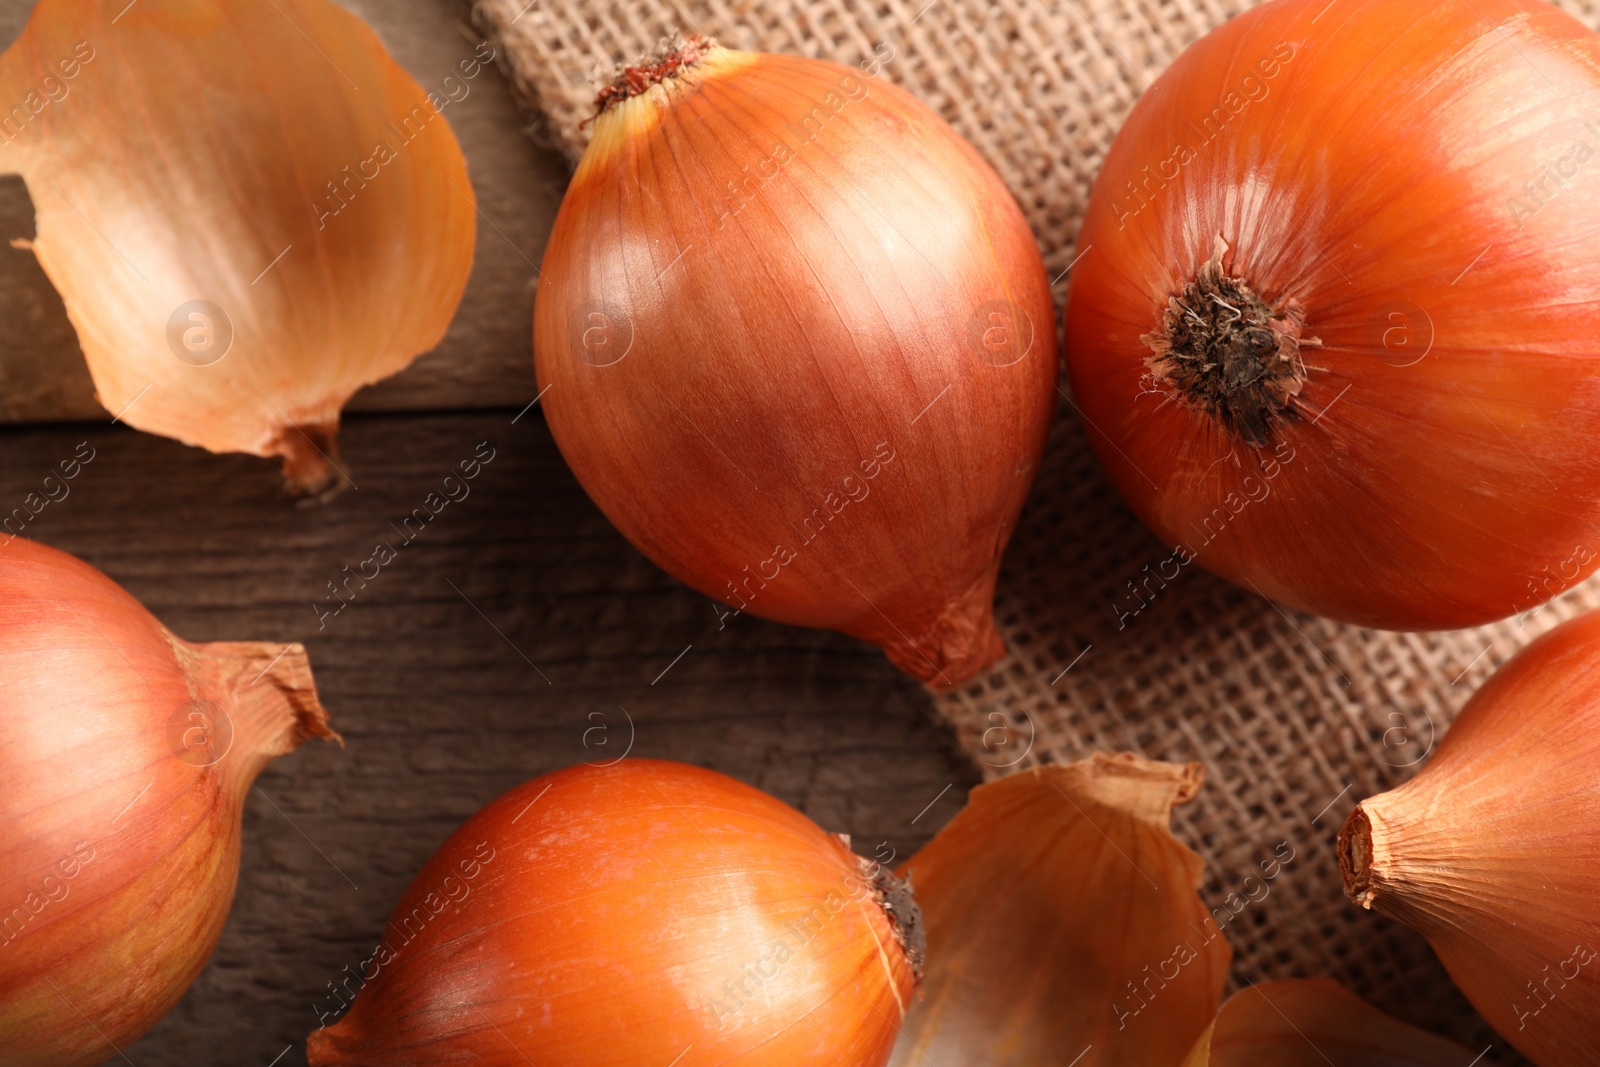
[(636, 915), (798, 345), (1490, 852), (1312, 1022), (250, 211), (1063, 921), (125, 755), (1333, 326)]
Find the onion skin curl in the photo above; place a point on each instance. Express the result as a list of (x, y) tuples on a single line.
[(250, 211), (1423, 455), (797, 343), (1063, 914), (126, 755), (1314, 1022), (1491, 851), (628, 915)]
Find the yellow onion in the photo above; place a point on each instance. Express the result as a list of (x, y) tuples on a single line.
[(125, 756), (642, 914), (798, 344), (1492, 852), (249, 209), (1333, 331), (1312, 1022), (1062, 921)]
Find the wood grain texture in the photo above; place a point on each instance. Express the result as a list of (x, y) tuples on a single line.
[(443, 708), (486, 358)]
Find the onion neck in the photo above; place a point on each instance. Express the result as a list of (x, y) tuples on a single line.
[(1223, 350), (1356, 859), (1401, 865), (1127, 784), (954, 648), (898, 903), (310, 459), (259, 700), (642, 97), (674, 57)]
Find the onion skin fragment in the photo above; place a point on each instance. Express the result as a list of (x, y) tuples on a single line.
[(244, 231), (1314, 1022), (126, 755), (1054, 902), (629, 915), (1418, 451), (797, 342), (1490, 851)]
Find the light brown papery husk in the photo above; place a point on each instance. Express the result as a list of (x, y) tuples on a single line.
[(239, 207), (1288, 714), (1062, 922), (1312, 1022)]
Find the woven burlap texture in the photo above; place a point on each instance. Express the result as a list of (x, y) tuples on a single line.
[(1294, 717)]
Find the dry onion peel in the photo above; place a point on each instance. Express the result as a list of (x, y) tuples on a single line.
[(1314, 1022), (1491, 850), (126, 755), (1333, 330), (637, 915), (250, 211), (798, 345), (1062, 920)]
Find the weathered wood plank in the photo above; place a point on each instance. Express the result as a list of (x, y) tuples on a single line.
[(439, 711), (485, 360)]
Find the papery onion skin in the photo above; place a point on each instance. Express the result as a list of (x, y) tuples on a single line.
[(1436, 467), (126, 755), (207, 151), (803, 359), (1063, 920), (611, 915), (1314, 1022), (1490, 851)]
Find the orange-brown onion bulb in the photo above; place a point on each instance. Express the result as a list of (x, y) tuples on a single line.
[(125, 756), (638, 915), (1333, 329), (1492, 851), (250, 211), (798, 346)]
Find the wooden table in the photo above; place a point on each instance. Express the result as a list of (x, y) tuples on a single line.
[(480, 658), (483, 656)]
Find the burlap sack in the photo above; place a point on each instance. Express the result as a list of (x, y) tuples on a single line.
[(1294, 717)]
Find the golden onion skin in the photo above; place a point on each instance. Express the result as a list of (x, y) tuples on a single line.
[(126, 754), (1367, 169), (639, 914), (797, 343)]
